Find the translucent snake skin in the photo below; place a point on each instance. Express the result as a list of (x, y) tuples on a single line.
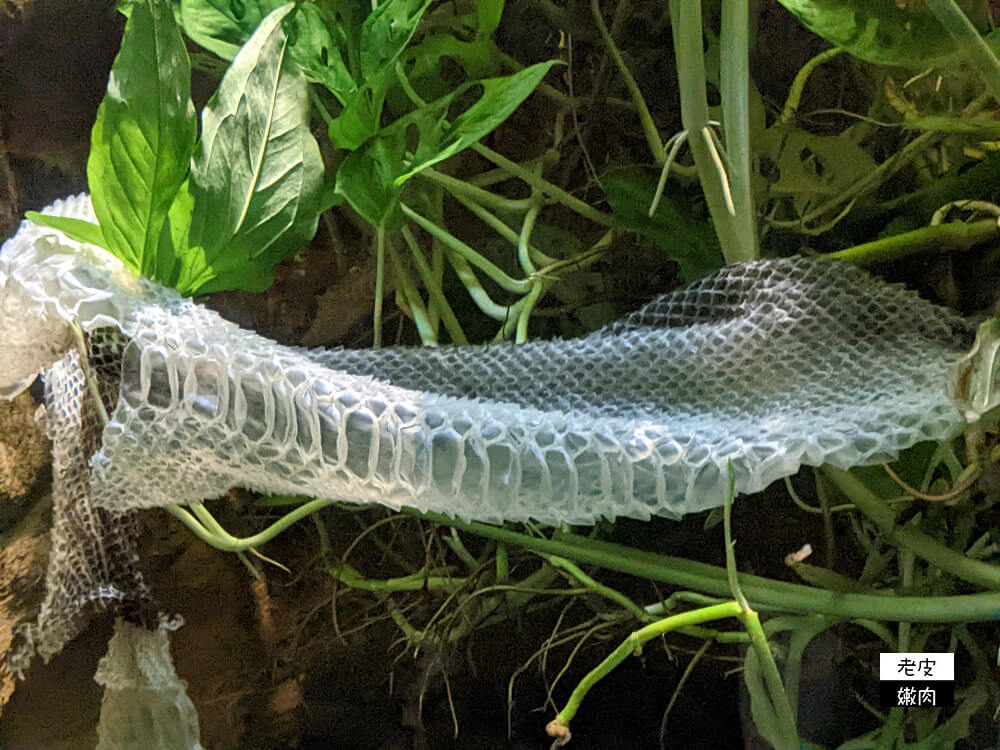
[(762, 366)]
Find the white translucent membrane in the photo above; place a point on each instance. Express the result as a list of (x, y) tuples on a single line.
[(145, 704), (763, 367)]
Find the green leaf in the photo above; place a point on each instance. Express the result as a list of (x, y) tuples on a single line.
[(690, 242), (142, 140), (365, 180), (479, 58), (360, 119), (76, 229), (258, 175), (489, 12), (878, 32), (223, 26), (370, 179), (385, 33), (812, 166), (174, 237), (316, 44), (440, 140)]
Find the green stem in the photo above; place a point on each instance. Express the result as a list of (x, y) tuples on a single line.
[(379, 285), (502, 229), (228, 543), (528, 306), (784, 734), (561, 563), (761, 593), (685, 20), (420, 581), (434, 291), (774, 709), (461, 188), (969, 41), (940, 238), (428, 336), (802, 636), (518, 286), (734, 88), (923, 546), (633, 645), (527, 225), (479, 295), (545, 187), (795, 92), (648, 125)]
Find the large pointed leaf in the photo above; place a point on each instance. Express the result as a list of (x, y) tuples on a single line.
[(222, 26), (886, 33), (440, 139), (143, 137), (258, 174), (174, 237)]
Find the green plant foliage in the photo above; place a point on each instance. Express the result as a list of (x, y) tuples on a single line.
[(223, 26), (984, 126), (256, 178), (878, 32), (251, 193), (674, 229), (370, 179), (384, 35), (439, 140), (809, 166), (365, 180), (143, 137), (75, 229)]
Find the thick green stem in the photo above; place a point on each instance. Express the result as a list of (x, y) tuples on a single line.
[(761, 593), (799, 84), (685, 20), (435, 293), (229, 543), (734, 88), (561, 563), (428, 335), (518, 286), (502, 229), (463, 188), (940, 238), (923, 546), (379, 286), (780, 722)]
